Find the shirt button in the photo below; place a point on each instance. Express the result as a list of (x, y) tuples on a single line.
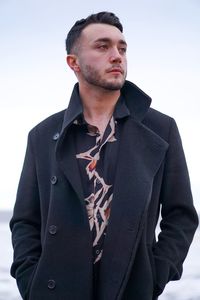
[(51, 284), (54, 179), (56, 136), (97, 252), (98, 216), (52, 229)]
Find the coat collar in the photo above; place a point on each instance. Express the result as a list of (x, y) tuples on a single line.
[(136, 100)]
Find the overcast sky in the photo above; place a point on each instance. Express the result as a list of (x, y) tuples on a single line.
[(163, 60)]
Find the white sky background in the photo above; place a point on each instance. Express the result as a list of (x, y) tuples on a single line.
[(163, 60)]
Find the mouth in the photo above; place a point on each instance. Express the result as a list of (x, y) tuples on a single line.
[(115, 70)]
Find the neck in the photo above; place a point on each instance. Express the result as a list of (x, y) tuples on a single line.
[(98, 105)]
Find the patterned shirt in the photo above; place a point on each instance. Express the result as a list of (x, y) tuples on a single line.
[(97, 171), (97, 159)]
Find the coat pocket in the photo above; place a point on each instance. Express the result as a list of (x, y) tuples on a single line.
[(152, 262), (33, 278)]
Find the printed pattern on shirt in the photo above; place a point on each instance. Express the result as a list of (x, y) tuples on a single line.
[(98, 203)]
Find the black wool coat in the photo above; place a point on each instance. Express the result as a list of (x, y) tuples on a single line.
[(50, 228)]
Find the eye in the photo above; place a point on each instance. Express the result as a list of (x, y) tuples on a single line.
[(103, 47), (122, 50)]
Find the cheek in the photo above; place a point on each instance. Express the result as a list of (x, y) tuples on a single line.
[(90, 61), (125, 63), (95, 62), (125, 60)]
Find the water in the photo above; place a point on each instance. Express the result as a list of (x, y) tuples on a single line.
[(8, 289), (188, 288)]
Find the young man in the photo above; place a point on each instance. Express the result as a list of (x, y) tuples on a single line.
[(94, 180)]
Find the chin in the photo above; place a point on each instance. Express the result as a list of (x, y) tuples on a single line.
[(117, 85)]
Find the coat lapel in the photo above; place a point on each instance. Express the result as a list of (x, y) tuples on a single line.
[(65, 150), (66, 157), (140, 156)]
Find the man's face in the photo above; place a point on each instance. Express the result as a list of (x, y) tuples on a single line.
[(101, 57)]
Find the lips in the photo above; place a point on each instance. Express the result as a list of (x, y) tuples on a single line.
[(115, 70)]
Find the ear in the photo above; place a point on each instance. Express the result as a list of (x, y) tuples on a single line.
[(72, 62)]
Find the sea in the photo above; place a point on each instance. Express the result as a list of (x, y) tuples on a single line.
[(188, 288)]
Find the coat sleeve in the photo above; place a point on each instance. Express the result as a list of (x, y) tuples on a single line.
[(25, 225), (178, 216)]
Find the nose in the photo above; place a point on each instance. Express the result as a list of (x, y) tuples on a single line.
[(115, 56)]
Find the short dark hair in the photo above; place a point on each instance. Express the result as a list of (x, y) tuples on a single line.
[(103, 17)]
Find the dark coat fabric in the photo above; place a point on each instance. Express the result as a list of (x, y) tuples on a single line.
[(50, 228)]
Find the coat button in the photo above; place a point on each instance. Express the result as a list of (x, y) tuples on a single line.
[(56, 136), (54, 179), (52, 229), (51, 284)]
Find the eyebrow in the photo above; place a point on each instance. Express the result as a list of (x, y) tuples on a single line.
[(107, 40)]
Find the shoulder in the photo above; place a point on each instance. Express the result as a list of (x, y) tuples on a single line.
[(51, 121), (154, 115), (49, 126), (158, 122)]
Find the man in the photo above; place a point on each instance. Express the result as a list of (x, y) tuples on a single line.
[(94, 180)]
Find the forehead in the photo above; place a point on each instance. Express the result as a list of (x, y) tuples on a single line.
[(94, 32)]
